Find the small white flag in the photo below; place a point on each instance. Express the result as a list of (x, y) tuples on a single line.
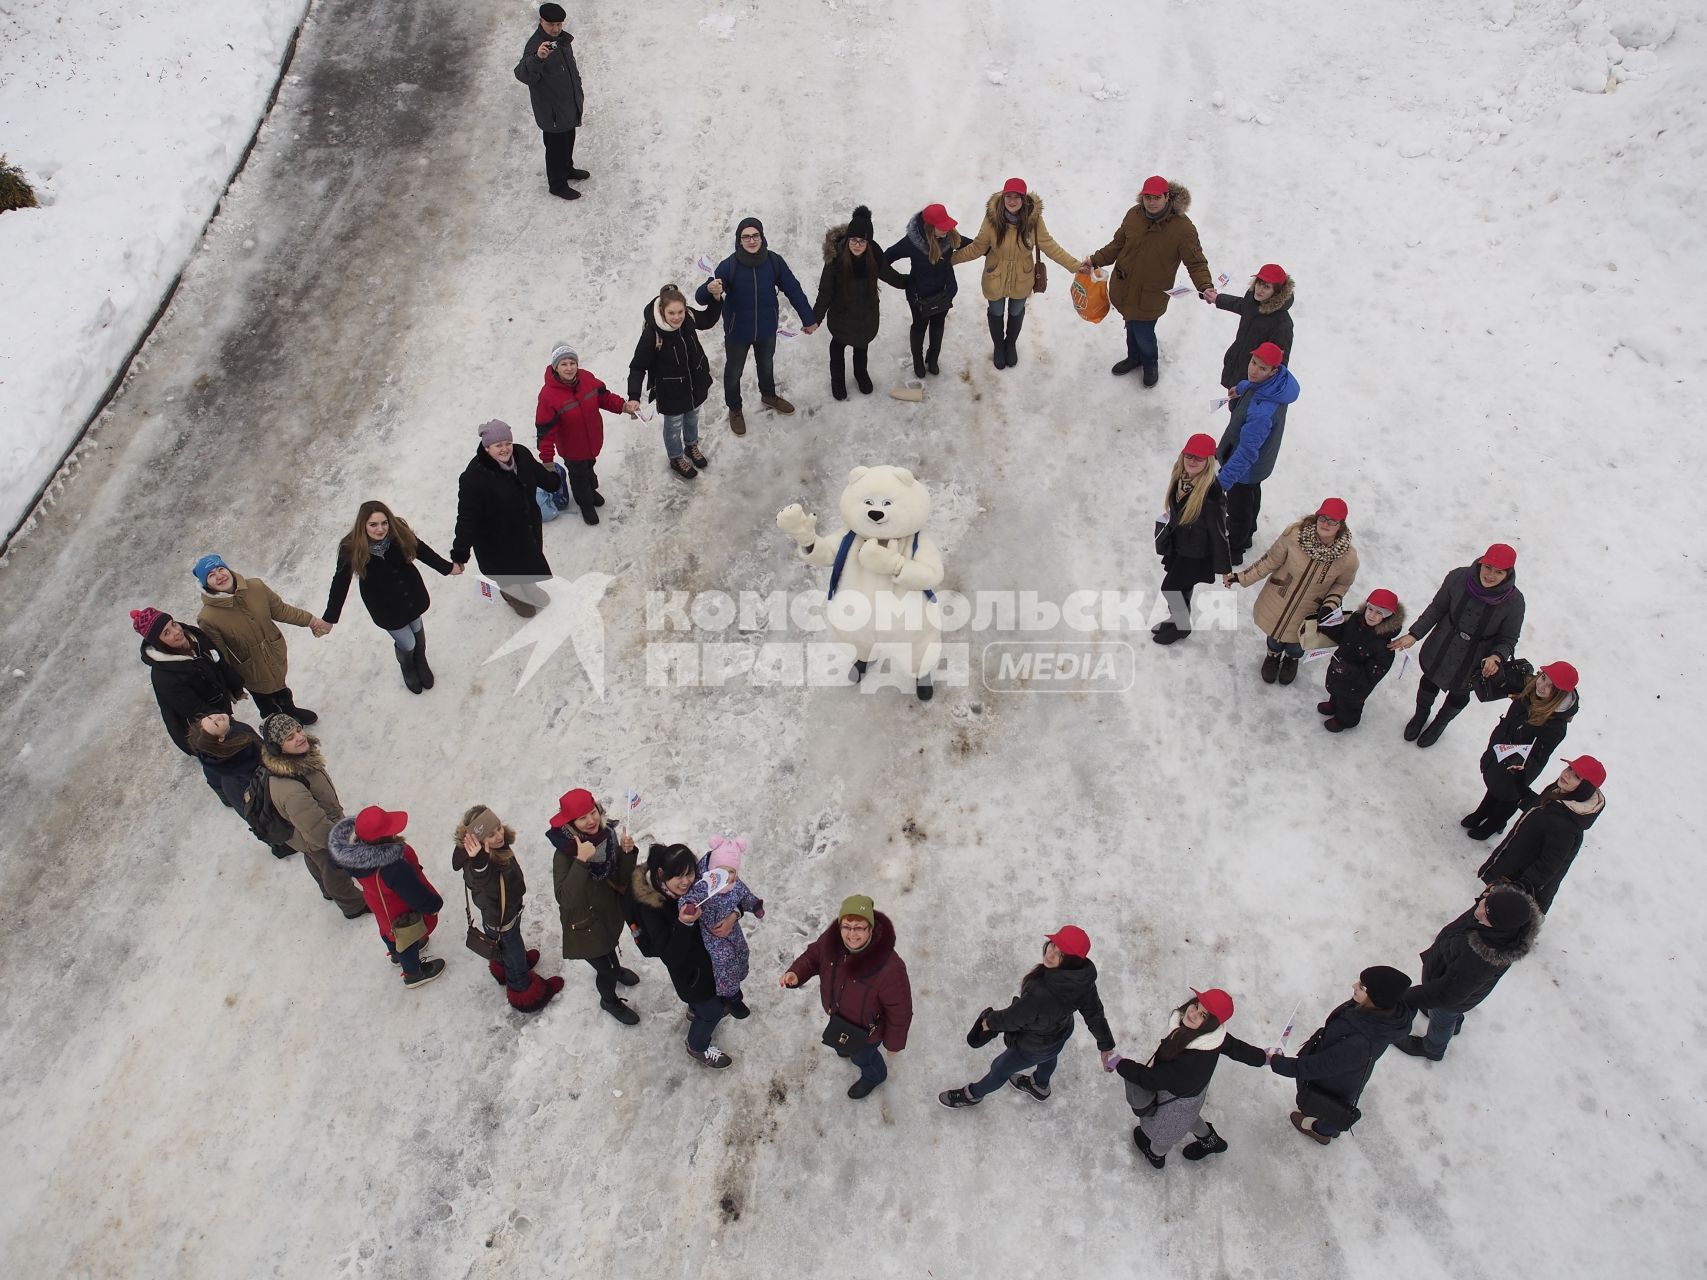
[(706, 264), (1313, 654), (487, 588), (1504, 751)]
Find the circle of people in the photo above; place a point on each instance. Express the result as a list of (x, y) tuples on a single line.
[(685, 909)]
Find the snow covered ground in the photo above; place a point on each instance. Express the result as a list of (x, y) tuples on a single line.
[(128, 119), (210, 1074)]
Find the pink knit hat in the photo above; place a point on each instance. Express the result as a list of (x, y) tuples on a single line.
[(726, 852)]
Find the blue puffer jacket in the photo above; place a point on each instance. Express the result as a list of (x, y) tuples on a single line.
[(1251, 441), (750, 308), (925, 279)]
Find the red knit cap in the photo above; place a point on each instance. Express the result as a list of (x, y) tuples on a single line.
[(149, 622)]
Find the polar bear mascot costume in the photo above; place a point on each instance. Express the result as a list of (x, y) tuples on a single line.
[(883, 571)]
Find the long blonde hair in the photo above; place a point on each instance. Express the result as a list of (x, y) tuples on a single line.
[(1199, 487), (356, 541), (936, 241), (1541, 710)]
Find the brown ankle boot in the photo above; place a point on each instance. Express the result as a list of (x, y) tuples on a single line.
[(777, 403), (737, 422)]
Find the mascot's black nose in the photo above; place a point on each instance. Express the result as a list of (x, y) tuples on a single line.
[(875, 516)]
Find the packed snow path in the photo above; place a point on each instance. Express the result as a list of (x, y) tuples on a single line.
[(211, 1074)]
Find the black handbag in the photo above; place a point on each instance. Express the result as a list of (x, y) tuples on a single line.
[(1331, 1111), (980, 1035), (1504, 683), (846, 1038), (935, 305)]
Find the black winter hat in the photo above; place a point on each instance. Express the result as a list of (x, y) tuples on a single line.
[(1507, 910), (860, 224), (552, 13), (1385, 985)]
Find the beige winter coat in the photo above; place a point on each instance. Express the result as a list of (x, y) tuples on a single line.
[(302, 792), (1298, 583), (1008, 272), (244, 625)]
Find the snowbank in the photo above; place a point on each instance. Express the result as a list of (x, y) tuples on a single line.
[(128, 120)]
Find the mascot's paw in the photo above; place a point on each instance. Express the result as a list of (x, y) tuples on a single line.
[(876, 557), (797, 524)]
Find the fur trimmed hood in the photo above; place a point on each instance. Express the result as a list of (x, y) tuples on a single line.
[(644, 893), (355, 855), (1206, 1042), (1389, 625), (1280, 299), (1028, 212), (1505, 954), (283, 765), (1179, 200), (916, 236), (836, 237)]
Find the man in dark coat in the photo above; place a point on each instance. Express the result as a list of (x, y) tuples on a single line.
[(1465, 962), (1546, 840), (1251, 443), (1472, 624), (752, 277), (1036, 1025), (498, 517), (1265, 315), (863, 981), (1338, 1060), (189, 674), (548, 69)]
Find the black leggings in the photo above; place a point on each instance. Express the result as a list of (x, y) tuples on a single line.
[(604, 974)]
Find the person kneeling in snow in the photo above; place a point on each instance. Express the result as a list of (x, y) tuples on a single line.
[(485, 854), (715, 903), (569, 422)]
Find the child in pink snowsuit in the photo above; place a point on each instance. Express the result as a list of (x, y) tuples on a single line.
[(716, 901)]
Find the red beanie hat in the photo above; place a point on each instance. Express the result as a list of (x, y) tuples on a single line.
[(1332, 508), (1270, 354), (1199, 446), (1215, 1001), (1588, 769), (149, 623), (1014, 187), (1384, 599), (1500, 556), (1154, 185), (1071, 940), (1271, 273), (1562, 674), (573, 804)]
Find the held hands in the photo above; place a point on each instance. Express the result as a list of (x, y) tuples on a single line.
[(584, 852), (876, 557), (1085, 266), (319, 627), (456, 570), (714, 287), (1111, 1059), (1402, 643), (811, 328), (1230, 580), (1209, 295), (631, 408), (797, 524), (789, 979)]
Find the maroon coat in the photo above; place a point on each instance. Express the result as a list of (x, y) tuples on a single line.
[(869, 988), (568, 419)]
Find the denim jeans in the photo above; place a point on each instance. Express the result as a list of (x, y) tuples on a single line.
[(1442, 1026), (680, 430), (554, 503), (404, 637), (1141, 342), (409, 958), (735, 363), (706, 1015), (1007, 308), (1010, 1062), (514, 954), (1290, 649), (869, 1060)]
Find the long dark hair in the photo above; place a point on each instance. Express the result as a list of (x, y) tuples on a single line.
[(666, 862), (1182, 1035), (845, 265), (355, 542)]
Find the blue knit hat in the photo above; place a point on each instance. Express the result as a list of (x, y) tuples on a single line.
[(206, 565)]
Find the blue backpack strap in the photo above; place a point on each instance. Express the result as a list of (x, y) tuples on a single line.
[(929, 594), (841, 563)]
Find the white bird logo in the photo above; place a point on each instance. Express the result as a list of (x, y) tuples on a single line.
[(572, 615)]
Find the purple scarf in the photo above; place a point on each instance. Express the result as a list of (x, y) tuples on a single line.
[(1491, 596)]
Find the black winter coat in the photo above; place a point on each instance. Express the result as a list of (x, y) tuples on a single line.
[(659, 933), (925, 279), (1539, 850), (498, 517), (1204, 540), (1462, 631), (1341, 1056), (493, 885), (391, 587), (849, 305), (554, 86), (1190, 1073), (1514, 730), (1466, 960), (230, 775), (187, 685), (1362, 659), (1259, 322), (1043, 1011), (673, 364)]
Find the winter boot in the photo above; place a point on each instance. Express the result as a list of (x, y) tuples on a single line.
[(1333, 725), (1271, 668), (423, 672), (776, 404), (917, 342), (1288, 668), (838, 374), (1425, 704), (1149, 1152), (857, 673), (1151, 376), (924, 689), (406, 661), (712, 1057), (862, 378), (1307, 1127), (1412, 1046), (957, 1098), (1015, 324), (627, 977), (1212, 1145), (682, 467), (999, 356), (1445, 716), (281, 850), (737, 1007), (496, 967), (618, 1008), (1324, 708), (933, 351), (862, 1088), (301, 715), (1168, 633), (696, 456), (590, 514), (1121, 367), (523, 608), (1026, 1085), (536, 995), (738, 422), (430, 969)]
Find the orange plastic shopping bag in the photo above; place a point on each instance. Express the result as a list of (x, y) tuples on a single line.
[(1090, 294)]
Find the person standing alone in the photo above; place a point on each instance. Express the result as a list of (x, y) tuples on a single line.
[(548, 69)]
